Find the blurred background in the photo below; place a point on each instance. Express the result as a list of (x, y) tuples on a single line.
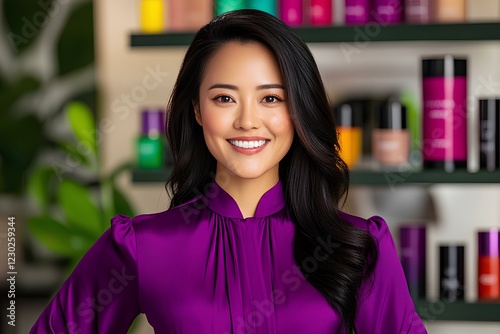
[(76, 77)]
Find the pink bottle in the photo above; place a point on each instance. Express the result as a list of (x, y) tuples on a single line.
[(291, 12), (320, 12)]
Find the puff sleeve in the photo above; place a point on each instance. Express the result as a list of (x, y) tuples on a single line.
[(101, 294), (385, 305)]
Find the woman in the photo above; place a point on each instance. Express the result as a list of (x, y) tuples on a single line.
[(254, 241)]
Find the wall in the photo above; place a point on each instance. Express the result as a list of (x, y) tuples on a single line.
[(456, 212)]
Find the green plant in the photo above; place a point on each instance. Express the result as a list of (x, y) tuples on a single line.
[(73, 210)]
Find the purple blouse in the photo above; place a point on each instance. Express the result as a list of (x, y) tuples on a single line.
[(202, 268)]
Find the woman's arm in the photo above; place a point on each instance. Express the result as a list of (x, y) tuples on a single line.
[(385, 305), (101, 294)]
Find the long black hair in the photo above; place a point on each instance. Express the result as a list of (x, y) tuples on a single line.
[(315, 178)]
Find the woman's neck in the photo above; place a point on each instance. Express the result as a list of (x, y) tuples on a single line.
[(246, 192)]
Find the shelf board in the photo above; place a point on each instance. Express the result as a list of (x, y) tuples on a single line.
[(394, 178), (457, 311), (350, 34), (150, 175), (367, 177)]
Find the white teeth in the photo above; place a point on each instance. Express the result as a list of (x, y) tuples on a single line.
[(247, 144)]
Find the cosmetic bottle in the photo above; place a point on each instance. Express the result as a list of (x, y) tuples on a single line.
[(189, 15), (291, 12), (349, 121), (320, 12), (151, 143), (388, 11), (489, 134), (483, 10), (223, 6), (357, 12), (152, 16), (418, 11), (488, 271), (451, 272), (390, 136), (269, 6), (413, 253), (444, 119), (449, 10)]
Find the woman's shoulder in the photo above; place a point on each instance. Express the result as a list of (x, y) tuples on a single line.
[(183, 214), (375, 225)]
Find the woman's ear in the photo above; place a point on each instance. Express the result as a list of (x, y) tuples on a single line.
[(197, 113)]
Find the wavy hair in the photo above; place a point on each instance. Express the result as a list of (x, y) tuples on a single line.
[(314, 177)]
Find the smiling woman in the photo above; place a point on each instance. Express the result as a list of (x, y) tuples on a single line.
[(247, 127), (254, 240)]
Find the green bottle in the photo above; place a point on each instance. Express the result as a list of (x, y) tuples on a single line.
[(223, 6), (151, 143), (268, 6)]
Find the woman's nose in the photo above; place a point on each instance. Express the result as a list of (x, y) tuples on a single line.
[(247, 117)]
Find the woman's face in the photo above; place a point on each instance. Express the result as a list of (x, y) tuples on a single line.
[(244, 112)]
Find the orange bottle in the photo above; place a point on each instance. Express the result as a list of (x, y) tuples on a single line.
[(348, 118), (488, 273)]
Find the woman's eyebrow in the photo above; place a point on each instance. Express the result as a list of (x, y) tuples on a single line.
[(270, 86), (233, 87), (226, 86)]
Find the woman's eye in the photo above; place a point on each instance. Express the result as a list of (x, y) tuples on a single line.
[(271, 99), (223, 99)]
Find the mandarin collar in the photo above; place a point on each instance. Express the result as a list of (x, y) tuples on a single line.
[(219, 201)]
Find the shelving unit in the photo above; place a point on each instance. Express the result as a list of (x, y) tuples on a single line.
[(428, 310), (367, 177), (349, 34), (458, 311)]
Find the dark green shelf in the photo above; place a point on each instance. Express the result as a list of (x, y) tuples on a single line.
[(422, 177), (457, 311), (368, 177), (350, 34), (148, 176)]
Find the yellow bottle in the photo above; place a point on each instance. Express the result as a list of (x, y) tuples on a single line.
[(350, 144), (348, 118), (152, 16)]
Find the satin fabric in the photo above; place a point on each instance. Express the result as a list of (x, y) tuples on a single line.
[(202, 268)]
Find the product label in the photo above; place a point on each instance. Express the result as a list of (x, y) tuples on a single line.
[(444, 133), (488, 282), (356, 11)]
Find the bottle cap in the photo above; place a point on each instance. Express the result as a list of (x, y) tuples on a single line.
[(391, 115), (349, 114), (153, 121), (488, 242), (447, 66)]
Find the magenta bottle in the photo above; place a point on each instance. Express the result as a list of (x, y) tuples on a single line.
[(320, 12), (418, 11), (357, 12), (388, 11), (413, 258), (444, 123), (291, 12)]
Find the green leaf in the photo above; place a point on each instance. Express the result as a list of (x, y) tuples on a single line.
[(76, 155), (82, 122), (39, 182), (57, 237), (121, 204), (79, 208)]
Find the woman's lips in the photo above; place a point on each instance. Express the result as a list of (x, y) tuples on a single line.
[(248, 146)]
